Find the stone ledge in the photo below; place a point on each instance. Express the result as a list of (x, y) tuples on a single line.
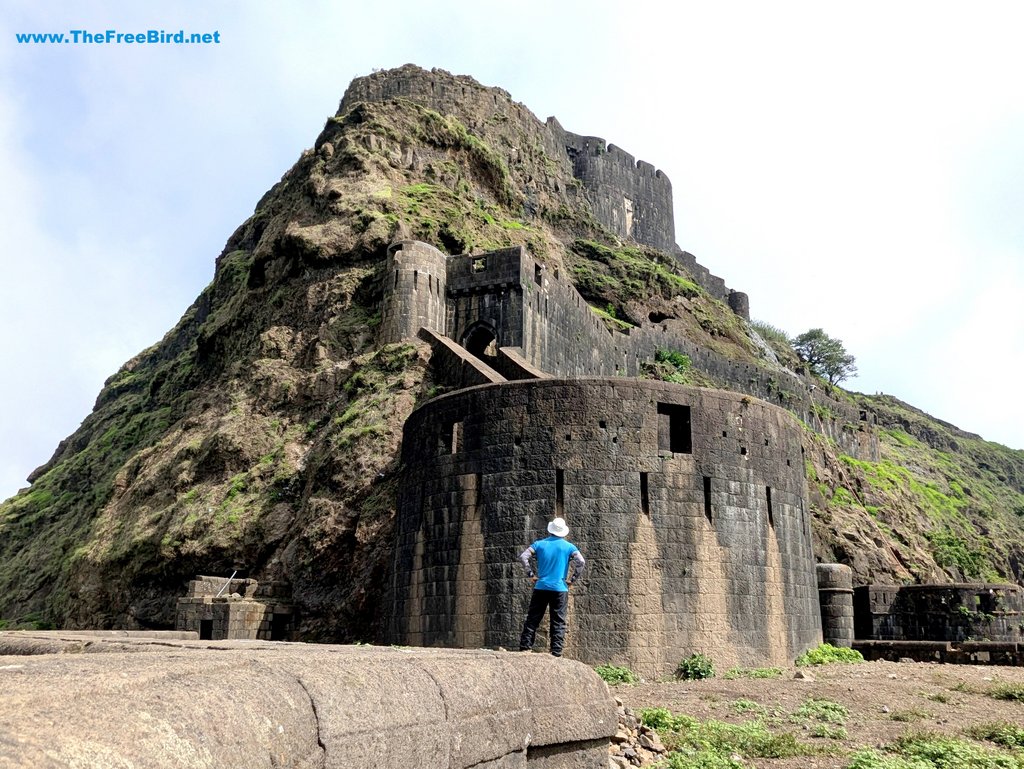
[(264, 704)]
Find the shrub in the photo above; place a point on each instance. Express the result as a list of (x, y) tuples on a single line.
[(614, 674), (826, 654), (694, 667)]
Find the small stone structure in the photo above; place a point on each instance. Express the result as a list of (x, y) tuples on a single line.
[(835, 594), (257, 704), (979, 612), (218, 608)]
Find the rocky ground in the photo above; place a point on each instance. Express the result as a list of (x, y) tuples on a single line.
[(883, 702)]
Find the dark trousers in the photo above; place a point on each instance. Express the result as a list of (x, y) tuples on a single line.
[(558, 603)]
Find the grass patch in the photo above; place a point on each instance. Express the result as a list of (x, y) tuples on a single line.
[(615, 674), (748, 706), (822, 711), (1000, 732), (734, 673), (1011, 692)]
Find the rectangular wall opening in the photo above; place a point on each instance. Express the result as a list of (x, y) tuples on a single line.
[(537, 275), (645, 499), (479, 264), (560, 493), (707, 497), (206, 630), (674, 432), (279, 626), (456, 437), (771, 513)]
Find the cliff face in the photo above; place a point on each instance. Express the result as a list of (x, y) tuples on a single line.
[(262, 432)]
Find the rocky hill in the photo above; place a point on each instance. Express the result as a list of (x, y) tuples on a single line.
[(262, 432)]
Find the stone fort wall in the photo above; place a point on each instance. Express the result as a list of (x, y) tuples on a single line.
[(954, 612), (689, 504), (534, 307), (629, 197)]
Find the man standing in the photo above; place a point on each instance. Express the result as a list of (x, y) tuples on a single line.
[(550, 589)]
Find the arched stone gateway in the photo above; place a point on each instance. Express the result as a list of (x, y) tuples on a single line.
[(689, 504)]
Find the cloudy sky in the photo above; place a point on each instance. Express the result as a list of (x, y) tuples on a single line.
[(856, 167)]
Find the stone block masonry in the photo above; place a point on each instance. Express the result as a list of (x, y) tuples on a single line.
[(268, 705), (216, 608), (954, 613), (689, 504)]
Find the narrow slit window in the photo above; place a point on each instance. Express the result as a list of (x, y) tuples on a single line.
[(396, 278), (456, 437), (560, 493), (707, 497), (645, 499), (415, 278), (537, 275), (771, 513), (674, 431)]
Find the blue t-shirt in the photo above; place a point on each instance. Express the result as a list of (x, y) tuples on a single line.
[(553, 554)]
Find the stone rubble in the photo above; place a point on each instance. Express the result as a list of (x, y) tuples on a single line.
[(633, 743)]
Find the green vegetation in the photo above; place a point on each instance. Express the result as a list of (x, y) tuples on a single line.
[(615, 674), (827, 654), (779, 341), (693, 744), (733, 673), (625, 273), (1012, 692), (823, 711), (1001, 733), (825, 357), (669, 366), (748, 706), (694, 667)]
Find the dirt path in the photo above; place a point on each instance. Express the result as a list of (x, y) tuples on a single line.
[(885, 700)]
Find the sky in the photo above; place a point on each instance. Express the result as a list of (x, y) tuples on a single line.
[(854, 167)]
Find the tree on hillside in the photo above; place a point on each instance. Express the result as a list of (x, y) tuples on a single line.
[(826, 357)]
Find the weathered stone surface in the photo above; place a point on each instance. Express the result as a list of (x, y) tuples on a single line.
[(256, 704), (955, 612)]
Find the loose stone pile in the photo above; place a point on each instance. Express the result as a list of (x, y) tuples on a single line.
[(633, 744)]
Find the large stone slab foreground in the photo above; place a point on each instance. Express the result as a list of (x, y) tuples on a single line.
[(233, 704)]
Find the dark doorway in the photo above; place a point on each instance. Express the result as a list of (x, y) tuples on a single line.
[(279, 627), (481, 342), (206, 630)]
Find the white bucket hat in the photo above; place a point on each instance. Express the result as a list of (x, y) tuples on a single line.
[(558, 528)]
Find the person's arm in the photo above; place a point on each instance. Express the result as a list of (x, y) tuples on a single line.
[(524, 559), (577, 566)]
